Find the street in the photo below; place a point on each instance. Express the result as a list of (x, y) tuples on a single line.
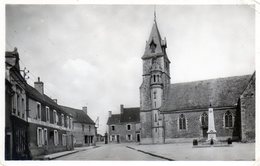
[(110, 152)]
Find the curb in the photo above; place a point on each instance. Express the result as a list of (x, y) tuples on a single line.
[(151, 154), (80, 150)]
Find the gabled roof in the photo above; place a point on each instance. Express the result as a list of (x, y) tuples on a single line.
[(219, 92), (114, 119), (34, 94), (78, 115), (128, 115)]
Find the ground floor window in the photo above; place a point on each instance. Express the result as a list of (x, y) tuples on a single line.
[(45, 136), (56, 137), (40, 137), (64, 139)]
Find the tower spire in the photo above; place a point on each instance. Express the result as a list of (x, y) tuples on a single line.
[(154, 12)]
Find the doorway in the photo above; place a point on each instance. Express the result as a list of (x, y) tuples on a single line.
[(118, 138), (138, 137)]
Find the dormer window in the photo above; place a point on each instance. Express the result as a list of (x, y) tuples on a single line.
[(152, 46)]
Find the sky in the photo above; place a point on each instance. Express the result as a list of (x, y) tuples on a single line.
[(90, 55)]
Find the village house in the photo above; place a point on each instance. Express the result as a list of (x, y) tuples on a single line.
[(179, 112), (16, 142), (124, 127), (50, 127), (84, 130)]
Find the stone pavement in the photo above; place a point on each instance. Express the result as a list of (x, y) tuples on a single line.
[(186, 152), (64, 153)]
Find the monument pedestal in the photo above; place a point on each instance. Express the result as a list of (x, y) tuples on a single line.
[(212, 135)]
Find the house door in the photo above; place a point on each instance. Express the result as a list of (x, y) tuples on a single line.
[(118, 138), (138, 137)]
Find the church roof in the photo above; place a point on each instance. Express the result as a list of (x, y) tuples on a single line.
[(78, 115), (128, 115), (221, 92)]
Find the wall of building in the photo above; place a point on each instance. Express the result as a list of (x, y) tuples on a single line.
[(247, 104), (81, 131), (194, 126), (49, 146), (121, 130)]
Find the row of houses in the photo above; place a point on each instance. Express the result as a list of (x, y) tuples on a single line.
[(37, 125)]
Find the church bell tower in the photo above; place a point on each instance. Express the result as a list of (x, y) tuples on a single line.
[(155, 86)]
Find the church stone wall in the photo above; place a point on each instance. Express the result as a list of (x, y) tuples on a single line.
[(146, 127), (193, 127), (247, 102)]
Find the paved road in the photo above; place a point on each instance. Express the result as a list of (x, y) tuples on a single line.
[(110, 152)]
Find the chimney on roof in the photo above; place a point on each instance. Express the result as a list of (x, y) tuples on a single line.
[(85, 109), (55, 100), (121, 109), (109, 114), (39, 86)]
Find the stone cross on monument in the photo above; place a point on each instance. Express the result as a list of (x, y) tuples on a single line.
[(211, 125)]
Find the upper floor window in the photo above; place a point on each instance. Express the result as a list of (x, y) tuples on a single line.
[(18, 105), (128, 127), (47, 111), (62, 120), (228, 119), (55, 117), (182, 122), (23, 107), (67, 119), (113, 128), (204, 119), (38, 111)]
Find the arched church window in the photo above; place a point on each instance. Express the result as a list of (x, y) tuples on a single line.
[(154, 95), (154, 78), (157, 78), (204, 119), (228, 119), (182, 122)]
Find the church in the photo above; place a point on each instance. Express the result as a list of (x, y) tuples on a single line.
[(171, 113)]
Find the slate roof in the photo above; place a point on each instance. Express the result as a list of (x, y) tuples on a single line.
[(219, 92), (156, 38), (34, 94), (114, 119), (129, 115), (78, 115)]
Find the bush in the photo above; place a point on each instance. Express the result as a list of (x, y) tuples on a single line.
[(195, 142), (229, 141)]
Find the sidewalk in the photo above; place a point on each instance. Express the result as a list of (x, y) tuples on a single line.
[(186, 152), (64, 153)]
